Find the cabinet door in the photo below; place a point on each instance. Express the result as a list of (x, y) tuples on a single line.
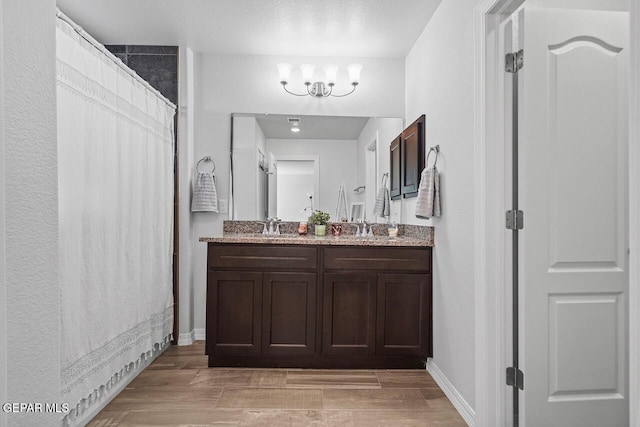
[(289, 313), (234, 313), (412, 155), (395, 169), (349, 313), (404, 315)]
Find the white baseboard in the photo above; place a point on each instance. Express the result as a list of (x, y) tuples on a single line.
[(461, 405), (187, 338), (200, 334)]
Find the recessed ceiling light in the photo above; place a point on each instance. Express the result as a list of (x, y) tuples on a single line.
[(295, 129)]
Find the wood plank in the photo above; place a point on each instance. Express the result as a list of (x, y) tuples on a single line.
[(249, 398), (205, 417), (108, 418), (195, 349), (432, 393), (258, 378), (406, 379), (159, 399), (180, 362), (163, 378), (407, 399), (368, 418), (346, 379)]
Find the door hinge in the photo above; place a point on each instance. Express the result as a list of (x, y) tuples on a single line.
[(515, 220), (515, 378), (514, 61)]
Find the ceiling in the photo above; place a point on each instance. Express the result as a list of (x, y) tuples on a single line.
[(354, 28), (277, 126)]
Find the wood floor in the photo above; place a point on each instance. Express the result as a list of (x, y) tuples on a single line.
[(179, 389)]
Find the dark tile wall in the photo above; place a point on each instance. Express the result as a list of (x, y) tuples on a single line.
[(158, 65)]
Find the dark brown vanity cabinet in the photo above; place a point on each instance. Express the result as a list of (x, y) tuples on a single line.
[(318, 306), (349, 313), (252, 313), (406, 331), (235, 301), (407, 157), (288, 313)]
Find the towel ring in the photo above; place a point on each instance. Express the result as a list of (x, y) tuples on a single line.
[(206, 159), (435, 149)]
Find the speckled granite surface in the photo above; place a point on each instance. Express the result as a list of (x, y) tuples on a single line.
[(250, 232)]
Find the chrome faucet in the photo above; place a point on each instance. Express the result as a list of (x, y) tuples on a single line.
[(366, 233), (274, 221)]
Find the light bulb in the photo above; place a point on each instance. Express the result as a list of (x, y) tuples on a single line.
[(331, 73), (354, 73), (285, 72), (307, 73)]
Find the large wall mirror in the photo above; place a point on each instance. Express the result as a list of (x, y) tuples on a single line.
[(288, 165)]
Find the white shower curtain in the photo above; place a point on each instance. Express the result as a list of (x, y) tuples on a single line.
[(115, 176)]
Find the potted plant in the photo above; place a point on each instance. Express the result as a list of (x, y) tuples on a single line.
[(319, 219)]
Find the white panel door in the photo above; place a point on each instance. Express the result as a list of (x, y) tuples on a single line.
[(573, 190)]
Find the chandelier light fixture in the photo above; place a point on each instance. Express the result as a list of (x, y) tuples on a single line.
[(318, 88)]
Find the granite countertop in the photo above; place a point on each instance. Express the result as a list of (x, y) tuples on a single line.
[(249, 232), (344, 240)]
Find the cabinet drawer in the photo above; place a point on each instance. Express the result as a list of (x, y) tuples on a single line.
[(263, 257), (378, 259)]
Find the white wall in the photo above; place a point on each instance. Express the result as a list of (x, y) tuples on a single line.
[(439, 83), (250, 84), (185, 182), (31, 207), (3, 236)]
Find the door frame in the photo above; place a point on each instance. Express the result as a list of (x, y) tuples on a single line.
[(490, 170)]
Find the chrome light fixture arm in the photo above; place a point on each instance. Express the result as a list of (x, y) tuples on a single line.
[(348, 93), (284, 86), (319, 90)]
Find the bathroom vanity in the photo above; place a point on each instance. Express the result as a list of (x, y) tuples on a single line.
[(307, 302)]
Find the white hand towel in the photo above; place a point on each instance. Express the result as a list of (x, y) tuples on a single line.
[(428, 204), (387, 203), (382, 206), (205, 195), (378, 208)]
